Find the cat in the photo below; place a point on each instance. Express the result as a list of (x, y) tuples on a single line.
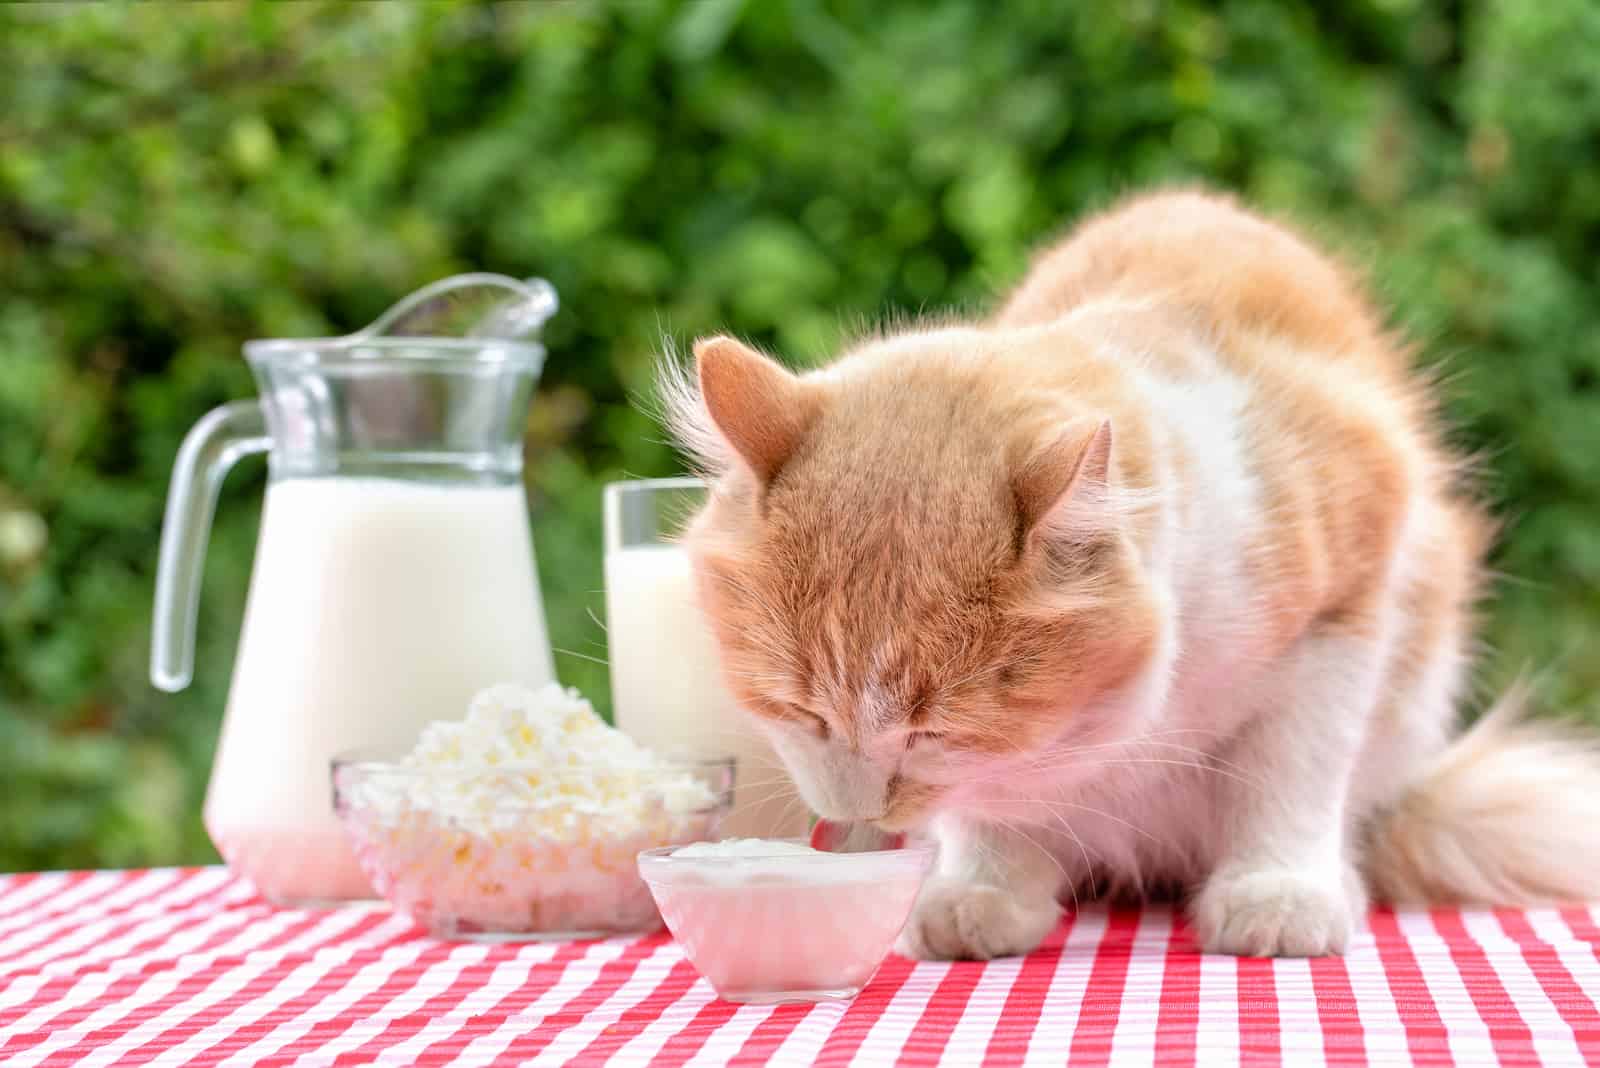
[(1161, 576)]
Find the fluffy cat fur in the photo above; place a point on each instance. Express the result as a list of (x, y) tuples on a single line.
[(1159, 577)]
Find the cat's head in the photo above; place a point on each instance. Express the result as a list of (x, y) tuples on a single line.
[(914, 565)]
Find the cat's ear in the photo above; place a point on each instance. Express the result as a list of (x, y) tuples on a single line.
[(1061, 484), (761, 408)]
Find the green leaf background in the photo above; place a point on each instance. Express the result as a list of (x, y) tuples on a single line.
[(175, 179)]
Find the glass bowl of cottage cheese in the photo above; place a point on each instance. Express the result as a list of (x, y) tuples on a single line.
[(522, 821)]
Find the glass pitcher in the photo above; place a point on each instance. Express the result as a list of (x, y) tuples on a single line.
[(394, 571)]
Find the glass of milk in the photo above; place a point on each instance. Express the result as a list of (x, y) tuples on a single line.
[(666, 683), (394, 571)]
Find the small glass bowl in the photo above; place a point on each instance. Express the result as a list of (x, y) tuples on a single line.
[(517, 870), (768, 929)]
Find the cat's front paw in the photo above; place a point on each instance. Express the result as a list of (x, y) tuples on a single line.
[(1276, 912), (972, 921)]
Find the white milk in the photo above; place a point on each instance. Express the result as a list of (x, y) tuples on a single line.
[(376, 606), (667, 688)]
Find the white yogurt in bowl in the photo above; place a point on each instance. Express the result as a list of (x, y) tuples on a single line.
[(771, 920)]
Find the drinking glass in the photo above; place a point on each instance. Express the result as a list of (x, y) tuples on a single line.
[(666, 681)]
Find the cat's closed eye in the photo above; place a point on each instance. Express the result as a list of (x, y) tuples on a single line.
[(809, 720), (793, 715)]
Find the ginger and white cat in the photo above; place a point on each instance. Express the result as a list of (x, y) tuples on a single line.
[(1160, 577)]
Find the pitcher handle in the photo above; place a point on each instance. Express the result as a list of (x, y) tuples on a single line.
[(218, 441)]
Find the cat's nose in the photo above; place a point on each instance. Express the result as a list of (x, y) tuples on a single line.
[(851, 802), (847, 811)]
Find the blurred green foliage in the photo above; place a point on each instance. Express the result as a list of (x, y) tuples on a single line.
[(174, 180)]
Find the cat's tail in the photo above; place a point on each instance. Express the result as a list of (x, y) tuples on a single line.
[(1509, 814)]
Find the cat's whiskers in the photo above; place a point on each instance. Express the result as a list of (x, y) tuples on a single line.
[(1191, 765), (789, 806), (602, 661), (1056, 759), (1066, 877), (764, 784), (1203, 755), (1054, 805)]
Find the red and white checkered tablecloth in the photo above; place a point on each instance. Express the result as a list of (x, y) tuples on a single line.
[(188, 967)]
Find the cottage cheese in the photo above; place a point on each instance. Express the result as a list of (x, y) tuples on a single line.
[(525, 816)]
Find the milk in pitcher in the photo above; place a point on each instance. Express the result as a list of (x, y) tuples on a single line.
[(376, 606)]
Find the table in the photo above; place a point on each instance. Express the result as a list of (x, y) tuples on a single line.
[(188, 966)]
